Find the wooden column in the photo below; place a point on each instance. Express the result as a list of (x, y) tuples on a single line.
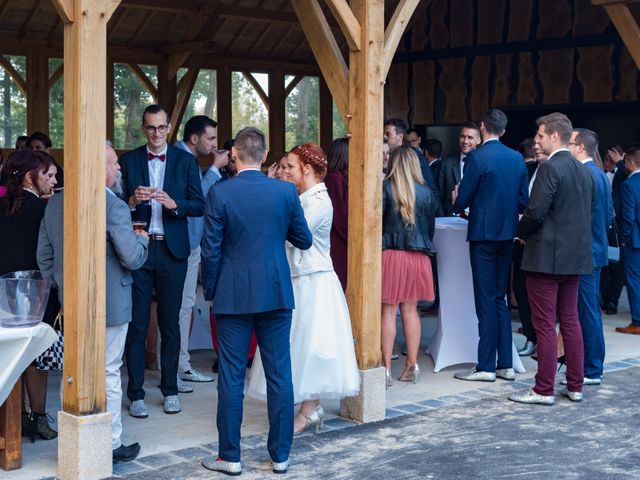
[(223, 91), (85, 128), (167, 84), (276, 115), (326, 116), (37, 91), (366, 83), (11, 430)]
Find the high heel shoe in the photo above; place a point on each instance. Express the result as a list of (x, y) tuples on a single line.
[(410, 374), (36, 425), (562, 361), (389, 378), (315, 418)]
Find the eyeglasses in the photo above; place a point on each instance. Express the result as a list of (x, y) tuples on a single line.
[(574, 143), (151, 129)]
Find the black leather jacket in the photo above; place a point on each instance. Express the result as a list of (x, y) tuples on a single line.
[(396, 235)]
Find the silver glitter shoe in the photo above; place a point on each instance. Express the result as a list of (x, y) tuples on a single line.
[(172, 404), (475, 376), (138, 409), (585, 382), (533, 398), (314, 418), (506, 374), (218, 465), (183, 387), (573, 396), (280, 467), (194, 376), (529, 348)]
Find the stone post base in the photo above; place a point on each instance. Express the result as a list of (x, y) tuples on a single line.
[(369, 405), (84, 446)]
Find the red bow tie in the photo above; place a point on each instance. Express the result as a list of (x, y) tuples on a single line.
[(153, 156)]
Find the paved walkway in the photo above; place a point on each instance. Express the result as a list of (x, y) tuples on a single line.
[(486, 438)]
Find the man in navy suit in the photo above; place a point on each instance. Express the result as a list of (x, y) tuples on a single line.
[(494, 187), (584, 146), (630, 237), (246, 274), (178, 195)]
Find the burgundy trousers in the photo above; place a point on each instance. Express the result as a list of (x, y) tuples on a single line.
[(555, 297)]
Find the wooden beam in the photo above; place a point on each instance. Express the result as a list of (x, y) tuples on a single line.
[(258, 40), (85, 63), (4, 7), (395, 29), (272, 16), (183, 99), (366, 83), (151, 88), (187, 47), (258, 88), (326, 51), (25, 25), (326, 116), (65, 9), (292, 84), (11, 429), (110, 95), (37, 91), (141, 28), (627, 27), (223, 94), (170, 6), (55, 76), (606, 2), (347, 22), (14, 74), (277, 120), (167, 85)]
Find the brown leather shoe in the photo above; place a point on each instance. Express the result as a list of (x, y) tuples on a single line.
[(631, 328)]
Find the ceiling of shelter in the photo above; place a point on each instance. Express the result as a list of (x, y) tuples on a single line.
[(245, 29)]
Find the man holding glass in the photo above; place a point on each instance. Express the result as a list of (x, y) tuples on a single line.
[(161, 184)]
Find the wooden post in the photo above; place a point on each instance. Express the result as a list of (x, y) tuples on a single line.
[(223, 92), (11, 430), (326, 116), (167, 85), (276, 115), (37, 91), (366, 82), (85, 60)]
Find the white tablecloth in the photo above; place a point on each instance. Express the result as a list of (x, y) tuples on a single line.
[(456, 338), (18, 348)]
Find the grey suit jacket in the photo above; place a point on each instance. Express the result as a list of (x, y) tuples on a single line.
[(125, 252), (557, 224)]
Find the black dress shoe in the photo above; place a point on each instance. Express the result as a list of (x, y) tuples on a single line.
[(611, 309), (214, 367), (126, 453)]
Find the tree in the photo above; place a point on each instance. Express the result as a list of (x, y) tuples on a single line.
[(13, 115)]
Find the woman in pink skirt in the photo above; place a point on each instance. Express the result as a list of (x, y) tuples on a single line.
[(408, 223)]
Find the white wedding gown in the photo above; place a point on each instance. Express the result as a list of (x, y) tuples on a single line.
[(323, 361)]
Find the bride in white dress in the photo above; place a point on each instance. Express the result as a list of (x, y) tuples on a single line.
[(323, 361)]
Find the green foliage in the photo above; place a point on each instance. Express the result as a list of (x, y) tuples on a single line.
[(302, 112), (203, 100), (13, 109), (247, 109), (56, 106)]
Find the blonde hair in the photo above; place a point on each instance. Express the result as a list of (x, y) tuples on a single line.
[(403, 173)]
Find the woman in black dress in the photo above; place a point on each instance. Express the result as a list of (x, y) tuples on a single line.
[(29, 175)]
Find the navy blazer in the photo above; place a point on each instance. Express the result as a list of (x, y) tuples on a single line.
[(244, 265), (182, 184), (630, 206), (495, 187), (601, 216)]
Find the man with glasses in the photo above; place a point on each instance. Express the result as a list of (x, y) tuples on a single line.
[(161, 184)]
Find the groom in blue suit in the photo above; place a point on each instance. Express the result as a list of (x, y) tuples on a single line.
[(246, 274), (495, 188)]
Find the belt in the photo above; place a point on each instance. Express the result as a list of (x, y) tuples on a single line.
[(156, 236)]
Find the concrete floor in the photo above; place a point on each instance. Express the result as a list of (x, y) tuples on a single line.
[(170, 439)]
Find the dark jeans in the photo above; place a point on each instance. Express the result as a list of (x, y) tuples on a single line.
[(234, 335), (632, 271), (490, 262), (551, 297), (520, 292), (166, 274)]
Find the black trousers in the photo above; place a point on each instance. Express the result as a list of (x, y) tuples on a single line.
[(164, 273), (520, 292)]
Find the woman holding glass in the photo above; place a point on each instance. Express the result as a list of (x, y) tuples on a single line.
[(408, 223), (30, 176), (323, 360)]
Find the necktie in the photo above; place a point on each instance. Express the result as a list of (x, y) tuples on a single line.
[(153, 156)]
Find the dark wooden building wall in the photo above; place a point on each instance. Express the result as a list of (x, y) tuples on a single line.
[(461, 57)]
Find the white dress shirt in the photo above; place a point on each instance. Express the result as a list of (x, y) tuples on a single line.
[(156, 179)]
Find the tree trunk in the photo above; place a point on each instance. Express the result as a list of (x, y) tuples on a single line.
[(210, 104), (304, 98), (6, 107)]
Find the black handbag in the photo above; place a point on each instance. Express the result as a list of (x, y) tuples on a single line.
[(51, 360)]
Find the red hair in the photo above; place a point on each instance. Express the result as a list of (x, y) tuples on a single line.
[(312, 154)]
